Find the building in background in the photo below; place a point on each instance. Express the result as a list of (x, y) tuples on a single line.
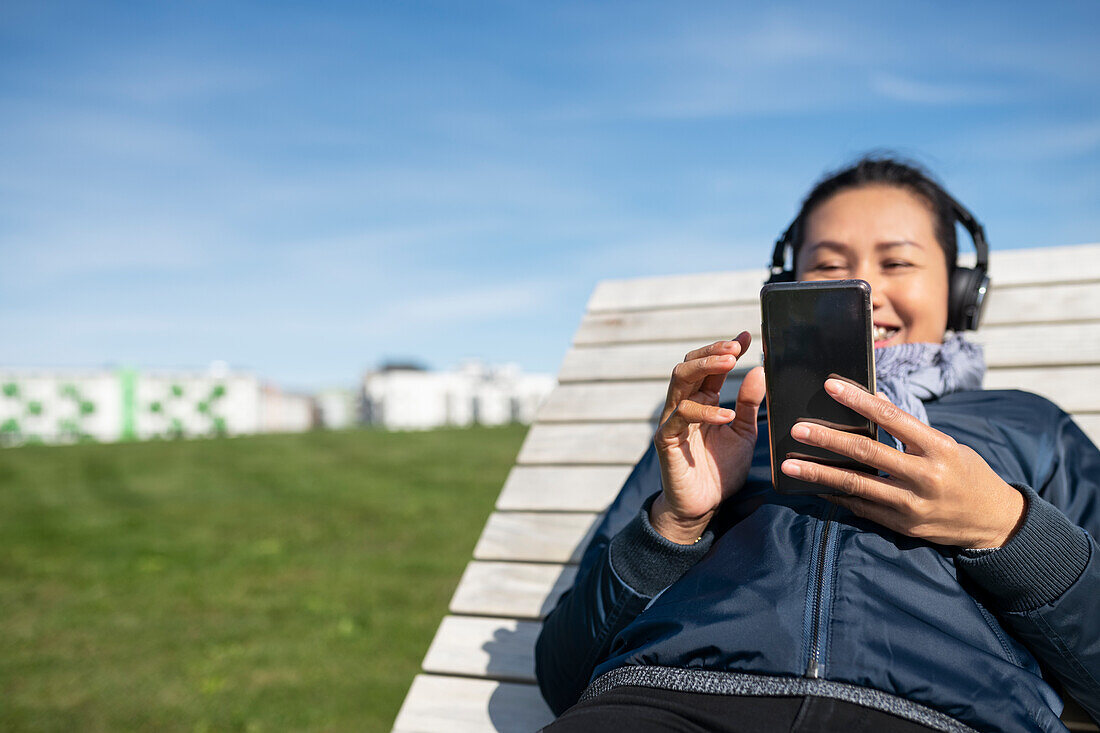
[(59, 406), (408, 397), (337, 409), (106, 405)]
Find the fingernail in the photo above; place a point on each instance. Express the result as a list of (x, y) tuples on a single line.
[(726, 414), (791, 468), (834, 386), (800, 430)]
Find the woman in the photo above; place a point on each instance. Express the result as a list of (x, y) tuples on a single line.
[(941, 595)]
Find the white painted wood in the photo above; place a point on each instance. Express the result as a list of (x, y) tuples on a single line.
[(623, 443), (562, 488), (495, 648), (705, 324), (558, 537), (1033, 305), (1016, 305), (1074, 389), (511, 589), (437, 704), (606, 443), (1069, 263), (677, 290), (1074, 263), (1090, 423), (618, 362), (592, 488), (639, 400), (1047, 303), (609, 401), (1062, 344)]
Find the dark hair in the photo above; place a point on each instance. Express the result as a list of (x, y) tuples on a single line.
[(873, 170)]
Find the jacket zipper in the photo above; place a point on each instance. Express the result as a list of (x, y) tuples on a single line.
[(822, 595)]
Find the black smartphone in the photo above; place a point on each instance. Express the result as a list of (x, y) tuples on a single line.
[(813, 331)]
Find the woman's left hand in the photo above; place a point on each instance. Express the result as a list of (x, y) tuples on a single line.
[(937, 490)]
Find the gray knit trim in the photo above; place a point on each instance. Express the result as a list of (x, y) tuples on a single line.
[(741, 683), (648, 562), (1043, 559)]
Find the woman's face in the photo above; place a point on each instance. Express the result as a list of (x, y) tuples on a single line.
[(886, 236)]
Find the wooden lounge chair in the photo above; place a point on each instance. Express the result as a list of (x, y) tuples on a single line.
[(1041, 333)]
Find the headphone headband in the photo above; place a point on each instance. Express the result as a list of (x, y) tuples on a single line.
[(977, 233), (779, 254)]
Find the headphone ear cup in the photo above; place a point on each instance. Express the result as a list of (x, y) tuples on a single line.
[(786, 276), (966, 298)]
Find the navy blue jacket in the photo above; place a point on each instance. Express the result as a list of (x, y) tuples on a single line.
[(794, 586)]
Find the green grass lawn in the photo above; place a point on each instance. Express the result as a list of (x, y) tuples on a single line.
[(261, 584)]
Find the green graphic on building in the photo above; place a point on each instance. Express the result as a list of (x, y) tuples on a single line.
[(122, 404)]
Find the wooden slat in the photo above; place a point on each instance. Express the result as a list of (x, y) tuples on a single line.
[(460, 705), (593, 488), (1069, 264), (1074, 389), (621, 443), (611, 401), (640, 400), (606, 443), (625, 442), (562, 488), (556, 443), (1062, 303), (1016, 305), (618, 362), (558, 537), (1064, 344), (677, 290), (494, 648), (670, 324), (512, 589), (1090, 423)]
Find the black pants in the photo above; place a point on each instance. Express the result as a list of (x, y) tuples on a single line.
[(649, 710)]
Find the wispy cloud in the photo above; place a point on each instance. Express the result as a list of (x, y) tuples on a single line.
[(56, 129), (160, 80), (1049, 141), (38, 259), (917, 91), (474, 303)]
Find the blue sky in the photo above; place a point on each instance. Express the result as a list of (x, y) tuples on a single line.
[(304, 190)]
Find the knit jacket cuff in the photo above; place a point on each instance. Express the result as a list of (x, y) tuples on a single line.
[(648, 562), (1038, 564)]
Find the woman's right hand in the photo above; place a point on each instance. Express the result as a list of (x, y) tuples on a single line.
[(705, 451)]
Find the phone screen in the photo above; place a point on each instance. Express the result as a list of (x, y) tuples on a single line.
[(813, 331)]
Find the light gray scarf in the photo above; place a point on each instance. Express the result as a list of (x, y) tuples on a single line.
[(910, 374)]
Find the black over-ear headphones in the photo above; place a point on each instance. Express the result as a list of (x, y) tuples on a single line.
[(966, 294)]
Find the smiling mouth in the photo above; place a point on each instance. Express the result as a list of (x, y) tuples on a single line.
[(884, 333)]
